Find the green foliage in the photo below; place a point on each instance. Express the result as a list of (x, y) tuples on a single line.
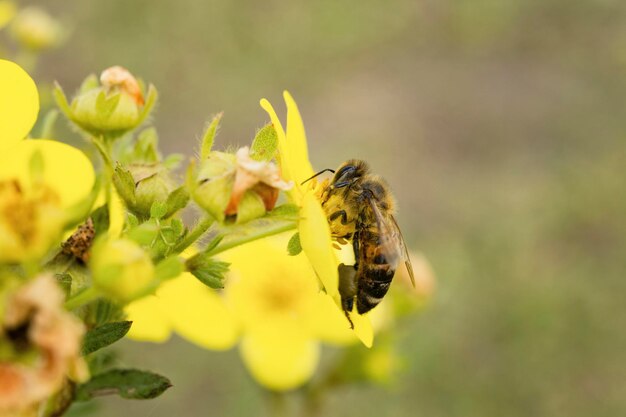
[(127, 383), (104, 335), (210, 272), (209, 136), (293, 246), (265, 144), (125, 185)]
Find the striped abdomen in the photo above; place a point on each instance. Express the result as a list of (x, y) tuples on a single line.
[(375, 271)]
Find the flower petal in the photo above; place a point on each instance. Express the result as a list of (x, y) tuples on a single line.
[(330, 323), (198, 313), (280, 356), (149, 322), (283, 157), (66, 169), (298, 153), (19, 104), (317, 244)]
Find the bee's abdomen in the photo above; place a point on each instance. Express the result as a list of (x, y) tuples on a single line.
[(373, 284)]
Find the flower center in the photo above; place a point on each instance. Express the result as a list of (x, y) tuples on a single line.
[(22, 213)]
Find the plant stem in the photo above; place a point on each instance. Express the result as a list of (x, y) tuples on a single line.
[(82, 298), (195, 233), (277, 404), (252, 237)]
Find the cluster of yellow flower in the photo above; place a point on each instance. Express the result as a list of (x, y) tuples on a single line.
[(116, 239)]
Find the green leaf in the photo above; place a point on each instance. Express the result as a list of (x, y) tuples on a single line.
[(265, 144), (61, 100), (158, 210), (209, 271), (127, 383), (125, 185), (177, 200), (293, 247), (104, 335), (209, 136)]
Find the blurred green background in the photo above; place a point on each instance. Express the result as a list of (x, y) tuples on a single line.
[(501, 126)]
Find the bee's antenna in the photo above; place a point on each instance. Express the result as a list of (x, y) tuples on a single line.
[(319, 173)]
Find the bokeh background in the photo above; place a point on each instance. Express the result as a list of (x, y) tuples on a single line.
[(501, 126)]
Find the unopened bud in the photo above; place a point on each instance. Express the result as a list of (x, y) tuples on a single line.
[(37, 30), (152, 184), (119, 78), (121, 269), (111, 107)]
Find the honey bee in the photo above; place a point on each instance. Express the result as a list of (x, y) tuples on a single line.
[(360, 207)]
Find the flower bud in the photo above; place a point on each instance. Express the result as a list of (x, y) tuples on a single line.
[(121, 269), (215, 179), (110, 107), (232, 185), (31, 221), (37, 30), (151, 184)]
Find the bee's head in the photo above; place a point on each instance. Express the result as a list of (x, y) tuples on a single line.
[(349, 172)]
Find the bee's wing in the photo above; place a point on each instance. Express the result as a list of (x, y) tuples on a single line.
[(391, 239), (405, 252)]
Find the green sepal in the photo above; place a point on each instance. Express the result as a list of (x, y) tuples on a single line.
[(177, 200), (100, 219), (125, 185), (127, 383), (209, 136), (158, 210), (209, 271), (89, 83), (106, 105), (61, 99), (146, 148), (150, 101), (293, 246), (104, 335), (265, 144)]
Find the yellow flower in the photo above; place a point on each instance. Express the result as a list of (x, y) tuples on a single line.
[(7, 12), (315, 236), (32, 203), (271, 301)]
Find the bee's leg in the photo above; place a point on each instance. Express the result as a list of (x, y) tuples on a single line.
[(339, 213), (347, 289), (355, 248)]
